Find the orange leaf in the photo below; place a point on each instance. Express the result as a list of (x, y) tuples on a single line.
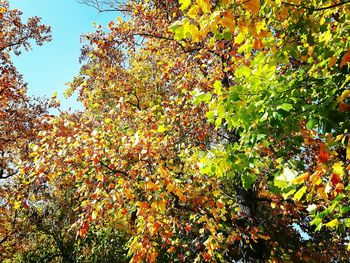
[(182, 197), (345, 59), (321, 192), (153, 257), (258, 44), (227, 20), (152, 186), (128, 194), (332, 61), (253, 6), (315, 177), (300, 179)]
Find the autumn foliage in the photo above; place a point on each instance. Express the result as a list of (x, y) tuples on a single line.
[(213, 131)]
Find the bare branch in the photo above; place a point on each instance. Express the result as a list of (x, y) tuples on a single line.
[(103, 6)]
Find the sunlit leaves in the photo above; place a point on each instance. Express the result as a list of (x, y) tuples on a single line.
[(210, 131)]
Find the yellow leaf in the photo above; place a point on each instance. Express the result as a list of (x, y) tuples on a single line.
[(315, 178), (338, 169), (204, 5), (193, 11), (333, 223), (161, 128), (154, 206), (94, 215), (170, 187), (184, 4), (17, 205), (343, 96), (298, 195), (239, 38), (121, 181), (161, 206), (348, 151), (51, 176)]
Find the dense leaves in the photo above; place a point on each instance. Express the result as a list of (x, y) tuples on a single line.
[(19, 118), (17, 114), (213, 131)]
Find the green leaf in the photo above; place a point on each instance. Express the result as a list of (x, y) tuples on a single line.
[(316, 221), (201, 97), (210, 115), (345, 209), (247, 180), (311, 124), (286, 107), (227, 36), (319, 226), (347, 222), (264, 117)]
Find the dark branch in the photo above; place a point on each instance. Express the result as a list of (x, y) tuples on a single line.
[(317, 9), (113, 170), (2, 176)]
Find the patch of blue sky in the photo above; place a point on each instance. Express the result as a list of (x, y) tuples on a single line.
[(46, 69)]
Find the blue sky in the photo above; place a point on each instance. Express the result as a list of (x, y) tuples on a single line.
[(46, 69)]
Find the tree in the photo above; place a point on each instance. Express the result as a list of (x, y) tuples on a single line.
[(19, 115), (213, 131)]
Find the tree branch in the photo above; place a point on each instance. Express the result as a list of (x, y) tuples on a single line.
[(113, 170), (317, 9)]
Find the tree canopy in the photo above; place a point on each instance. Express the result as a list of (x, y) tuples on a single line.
[(213, 131)]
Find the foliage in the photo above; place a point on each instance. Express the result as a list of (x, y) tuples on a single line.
[(213, 131), (19, 115)]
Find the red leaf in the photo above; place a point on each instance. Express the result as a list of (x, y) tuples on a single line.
[(207, 256), (188, 228), (344, 107), (324, 156), (335, 179)]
